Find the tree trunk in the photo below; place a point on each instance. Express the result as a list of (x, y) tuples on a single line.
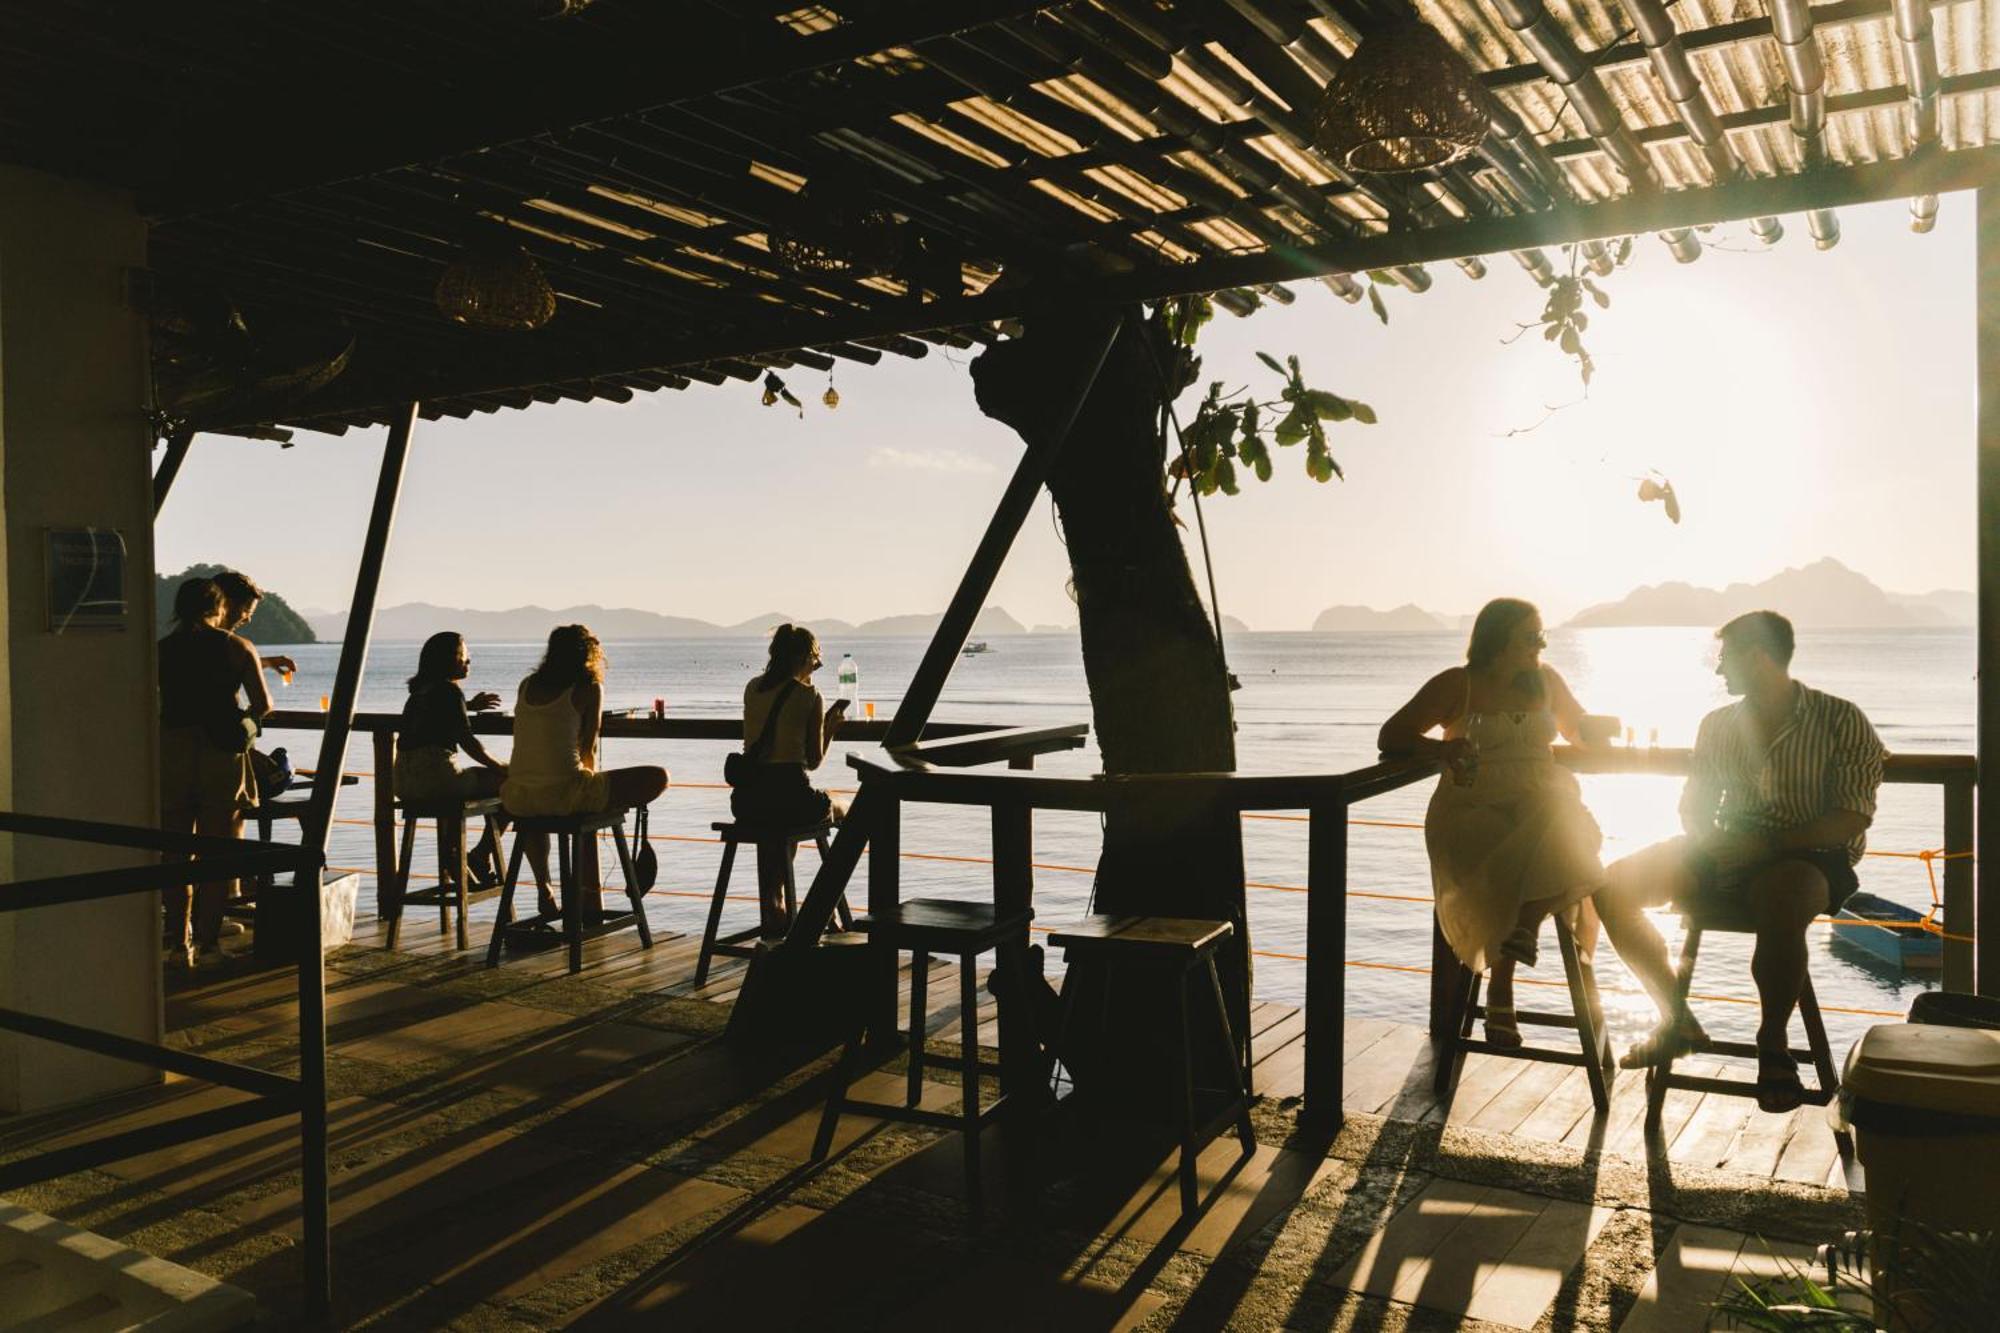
[(1159, 689)]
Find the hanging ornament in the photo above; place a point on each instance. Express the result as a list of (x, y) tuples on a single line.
[(774, 390), (494, 284), (832, 395), (1406, 99)]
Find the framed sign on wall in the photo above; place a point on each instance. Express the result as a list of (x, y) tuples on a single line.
[(86, 579)]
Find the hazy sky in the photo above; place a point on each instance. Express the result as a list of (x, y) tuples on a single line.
[(1803, 404)]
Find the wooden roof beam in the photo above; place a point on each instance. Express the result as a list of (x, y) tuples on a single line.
[(368, 136)]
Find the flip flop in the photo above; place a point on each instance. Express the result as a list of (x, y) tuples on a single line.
[(1667, 1043), (1778, 1087), (1502, 1030)]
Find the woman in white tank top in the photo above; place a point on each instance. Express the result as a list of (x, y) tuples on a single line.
[(557, 717)]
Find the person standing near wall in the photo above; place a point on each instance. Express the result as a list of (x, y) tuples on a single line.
[(205, 738)]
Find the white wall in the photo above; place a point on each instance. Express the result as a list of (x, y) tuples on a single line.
[(78, 729)]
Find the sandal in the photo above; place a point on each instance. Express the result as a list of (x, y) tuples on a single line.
[(1668, 1042), (484, 867), (1521, 946), (1778, 1087), (1502, 1029)]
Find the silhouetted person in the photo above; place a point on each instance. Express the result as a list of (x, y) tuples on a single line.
[(1777, 807), (435, 726), (205, 737), (783, 710), (1509, 838)]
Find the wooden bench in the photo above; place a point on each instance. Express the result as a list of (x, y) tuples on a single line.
[(577, 924)]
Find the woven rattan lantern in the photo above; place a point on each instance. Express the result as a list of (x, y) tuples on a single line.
[(496, 285), (1404, 101), (836, 232)]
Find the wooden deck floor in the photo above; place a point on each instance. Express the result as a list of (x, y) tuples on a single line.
[(518, 1148)]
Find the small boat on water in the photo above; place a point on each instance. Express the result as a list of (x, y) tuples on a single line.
[(976, 646), (1888, 932)]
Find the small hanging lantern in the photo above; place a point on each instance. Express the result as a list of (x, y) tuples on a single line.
[(776, 392), (1404, 101), (832, 232), (495, 284), (832, 395)]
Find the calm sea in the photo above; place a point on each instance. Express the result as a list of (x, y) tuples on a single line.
[(1309, 703)]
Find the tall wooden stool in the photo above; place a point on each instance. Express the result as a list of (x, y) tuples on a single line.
[(1705, 918), (451, 818), (772, 845), (927, 926), (1179, 951), (1452, 1034), (565, 830)]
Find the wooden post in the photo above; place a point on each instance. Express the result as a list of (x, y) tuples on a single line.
[(170, 467), (1326, 961), (385, 817), (1015, 504), (315, 1192), (1958, 909), (1987, 817), (885, 869)]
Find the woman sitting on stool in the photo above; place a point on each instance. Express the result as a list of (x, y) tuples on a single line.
[(436, 725), (786, 730), (557, 717)]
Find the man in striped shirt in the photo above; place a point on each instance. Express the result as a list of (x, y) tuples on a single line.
[(1777, 806)]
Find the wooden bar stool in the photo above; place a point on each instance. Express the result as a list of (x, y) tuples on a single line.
[(1453, 1033), (773, 846), (1178, 951), (1705, 918), (927, 926), (451, 818), (565, 830)]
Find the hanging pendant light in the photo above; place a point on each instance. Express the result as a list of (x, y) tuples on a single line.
[(832, 395), (1405, 100), (495, 284)]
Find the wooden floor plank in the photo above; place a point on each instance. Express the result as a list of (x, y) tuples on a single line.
[(1483, 1078), (1561, 1110), (1521, 1098), (1705, 1139), (1466, 1256), (1401, 1251), (1522, 1286)]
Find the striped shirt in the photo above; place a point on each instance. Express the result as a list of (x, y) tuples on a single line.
[(1825, 757)]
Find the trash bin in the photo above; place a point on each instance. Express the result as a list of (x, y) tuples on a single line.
[(1952, 1009), (1923, 1100)]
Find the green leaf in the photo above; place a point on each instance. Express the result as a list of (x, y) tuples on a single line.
[(1570, 343), (1597, 294), (1271, 361), (1579, 321), (1375, 303), (1328, 406), (1363, 413), (1225, 476), (1552, 332), (1293, 428)]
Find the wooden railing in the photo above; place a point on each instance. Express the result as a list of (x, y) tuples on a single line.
[(889, 780)]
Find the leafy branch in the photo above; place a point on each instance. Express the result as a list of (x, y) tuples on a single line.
[(1232, 428), (1563, 320)]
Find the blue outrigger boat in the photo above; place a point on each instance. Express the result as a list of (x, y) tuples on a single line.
[(1888, 932)]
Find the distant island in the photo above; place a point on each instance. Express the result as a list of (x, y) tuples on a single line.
[(530, 624), (274, 621), (1823, 595)]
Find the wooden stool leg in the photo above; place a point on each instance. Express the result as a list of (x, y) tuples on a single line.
[(1455, 1026), (505, 916), (399, 879), (788, 856), (463, 857), (632, 894), (841, 911), (920, 964), (968, 1045), (1246, 1132), (1660, 1076), (572, 899), (714, 914), (1580, 1000), (1184, 1110), (1815, 1025)]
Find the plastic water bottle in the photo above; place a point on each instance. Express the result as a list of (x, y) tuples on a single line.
[(850, 681)]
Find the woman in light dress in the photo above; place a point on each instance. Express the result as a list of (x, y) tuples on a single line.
[(1510, 840), (557, 717), (787, 730)]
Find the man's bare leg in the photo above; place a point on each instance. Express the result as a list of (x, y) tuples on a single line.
[(1786, 897), (1647, 878)]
